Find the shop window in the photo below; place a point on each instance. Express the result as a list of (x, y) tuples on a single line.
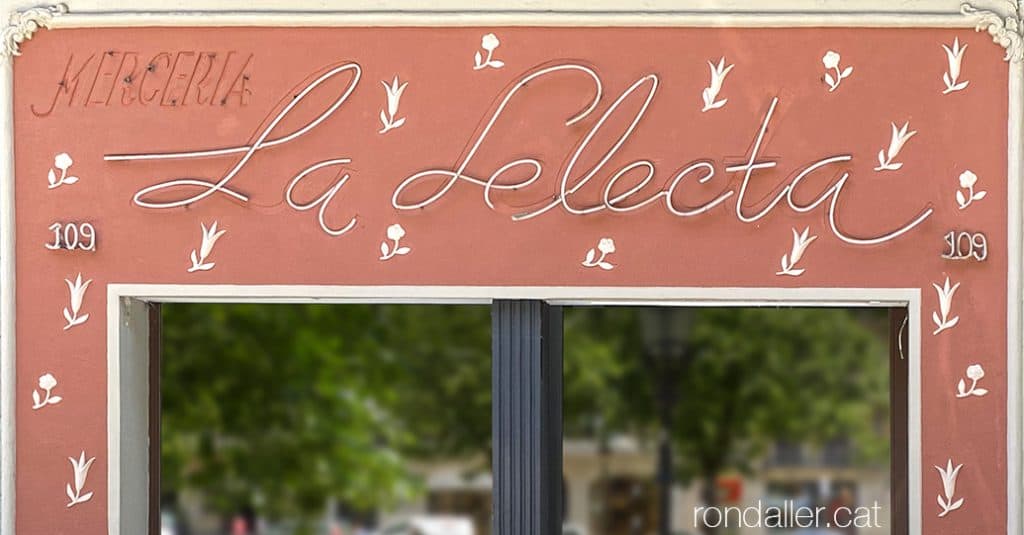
[(312, 419), (692, 415)]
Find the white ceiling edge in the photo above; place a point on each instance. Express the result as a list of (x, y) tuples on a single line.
[(615, 6)]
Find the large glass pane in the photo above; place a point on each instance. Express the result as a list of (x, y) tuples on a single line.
[(774, 420), (325, 419)]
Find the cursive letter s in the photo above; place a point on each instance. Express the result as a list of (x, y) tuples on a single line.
[(490, 183)]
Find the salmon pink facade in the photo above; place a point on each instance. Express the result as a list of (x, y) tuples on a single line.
[(511, 155)]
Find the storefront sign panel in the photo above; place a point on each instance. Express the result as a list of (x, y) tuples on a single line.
[(511, 156)]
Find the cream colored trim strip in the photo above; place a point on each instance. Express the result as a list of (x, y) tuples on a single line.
[(519, 18)]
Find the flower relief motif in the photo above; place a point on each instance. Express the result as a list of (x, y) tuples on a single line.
[(46, 382), (605, 246), (489, 43), (62, 162), (945, 294), (899, 138), (394, 96), (831, 61), (710, 94), (76, 290), (81, 471), (967, 181), (955, 57), (975, 373), (948, 476), (394, 233), (789, 261), (210, 237)]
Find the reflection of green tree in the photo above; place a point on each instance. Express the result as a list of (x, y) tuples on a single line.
[(279, 407), (757, 375)]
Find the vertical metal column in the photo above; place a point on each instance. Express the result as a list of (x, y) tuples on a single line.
[(527, 417)]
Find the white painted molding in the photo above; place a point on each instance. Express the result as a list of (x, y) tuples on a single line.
[(127, 416), (22, 24), (1006, 25), (455, 6), (554, 18), (1015, 238), (8, 318), (127, 345), (710, 13), (555, 295)]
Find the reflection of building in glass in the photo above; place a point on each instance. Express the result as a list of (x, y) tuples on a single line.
[(623, 504), (611, 491)]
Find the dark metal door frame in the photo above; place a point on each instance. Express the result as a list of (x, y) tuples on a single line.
[(527, 401), (899, 460)]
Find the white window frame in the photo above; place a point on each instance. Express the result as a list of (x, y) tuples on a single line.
[(128, 353)]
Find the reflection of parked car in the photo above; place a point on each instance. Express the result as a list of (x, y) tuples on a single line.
[(170, 524), (430, 525), (573, 529)]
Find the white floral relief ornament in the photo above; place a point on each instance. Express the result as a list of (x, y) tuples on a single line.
[(394, 233), (47, 382), (945, 294), (488, 43), (22, 24), (955, 58), (80, 467), (789, 261), (710, 93), (1005, 26), (76, 291), (62, 162), (898, 138), (210, 237), (975, 373), (946, 499), (967, 182), (605, 246), (393, 92), (832, 60)]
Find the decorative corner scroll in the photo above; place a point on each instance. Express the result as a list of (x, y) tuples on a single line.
[(22, 24), (1006, 29)]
